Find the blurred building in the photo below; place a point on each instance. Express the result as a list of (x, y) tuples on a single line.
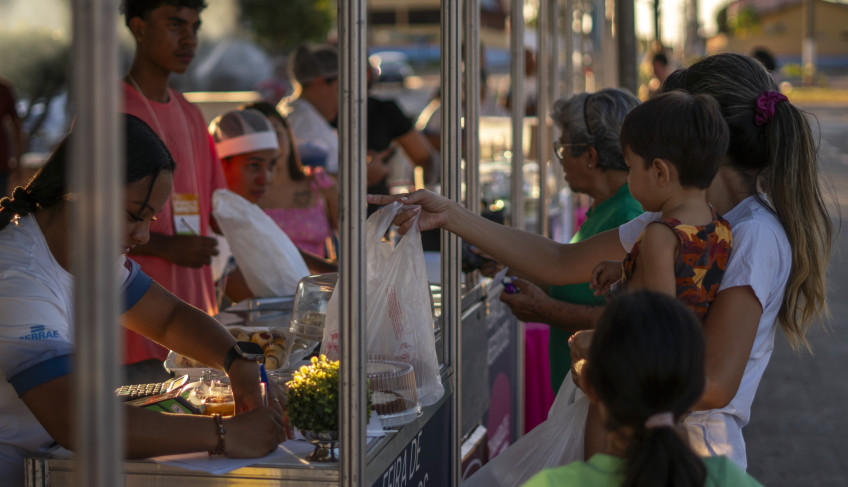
[(778, 25), (411, 22)]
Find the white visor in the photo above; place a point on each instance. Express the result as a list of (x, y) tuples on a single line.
[(243, 144)]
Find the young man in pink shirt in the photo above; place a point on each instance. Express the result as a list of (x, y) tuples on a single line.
[(181, 245)]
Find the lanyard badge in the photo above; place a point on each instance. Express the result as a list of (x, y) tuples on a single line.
[(186, 209)]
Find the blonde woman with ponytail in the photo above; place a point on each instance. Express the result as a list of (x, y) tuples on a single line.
[(767, 188)]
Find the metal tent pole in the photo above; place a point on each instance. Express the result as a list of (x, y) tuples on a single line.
[(97, 176), (352, 120), (451, 144), (471, 129), (517, 95)]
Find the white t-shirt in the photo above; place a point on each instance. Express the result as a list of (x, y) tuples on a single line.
[(761, 259), (36, 334), (313, 135)]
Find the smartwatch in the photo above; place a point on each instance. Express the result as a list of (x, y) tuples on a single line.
[(246, 350)]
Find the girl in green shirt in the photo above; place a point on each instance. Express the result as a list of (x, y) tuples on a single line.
[(645, 371)]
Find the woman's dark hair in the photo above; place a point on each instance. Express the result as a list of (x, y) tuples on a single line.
[(146, 154), (779, 157), (647, 358), (686, 130), (140, 8), (270, 111)]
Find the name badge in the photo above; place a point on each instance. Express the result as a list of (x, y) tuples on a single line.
[(186, 210)]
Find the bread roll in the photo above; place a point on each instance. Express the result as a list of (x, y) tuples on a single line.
[(275, 357)]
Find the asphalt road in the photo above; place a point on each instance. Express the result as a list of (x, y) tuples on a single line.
[(798, 434)]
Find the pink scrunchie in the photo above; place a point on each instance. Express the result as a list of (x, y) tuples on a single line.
[(765, 106)]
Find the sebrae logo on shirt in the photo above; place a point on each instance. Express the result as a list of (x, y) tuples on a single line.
[(40, 332)]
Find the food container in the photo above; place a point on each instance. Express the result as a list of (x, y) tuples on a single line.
[(310, 305), (270, 312), (283, 350), (394, 395)]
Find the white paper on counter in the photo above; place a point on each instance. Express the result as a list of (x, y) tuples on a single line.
[(220, 465)]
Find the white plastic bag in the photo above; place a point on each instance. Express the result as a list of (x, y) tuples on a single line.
[(400, 311), (270, 262), (556, 441)]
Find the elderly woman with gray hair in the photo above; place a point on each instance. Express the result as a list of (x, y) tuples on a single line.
[(593, 164)]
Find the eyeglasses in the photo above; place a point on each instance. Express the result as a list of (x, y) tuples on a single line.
[(559, 148)]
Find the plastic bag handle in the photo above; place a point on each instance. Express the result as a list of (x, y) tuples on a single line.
[(386, 215)]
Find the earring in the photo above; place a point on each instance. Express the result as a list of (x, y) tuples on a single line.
[(591, 165)]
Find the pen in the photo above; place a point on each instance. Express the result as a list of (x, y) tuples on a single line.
[(191, 228), (263, 379)]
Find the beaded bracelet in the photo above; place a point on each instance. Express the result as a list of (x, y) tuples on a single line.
[(219, 423)]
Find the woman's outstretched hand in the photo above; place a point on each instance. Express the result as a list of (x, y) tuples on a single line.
[(433, 209)]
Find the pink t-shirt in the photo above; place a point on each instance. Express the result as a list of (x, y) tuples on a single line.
[(182, 128), (308, 228)]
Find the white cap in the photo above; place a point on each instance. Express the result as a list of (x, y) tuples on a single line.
[(242, 131)]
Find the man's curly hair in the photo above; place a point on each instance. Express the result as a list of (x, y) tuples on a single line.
[(140, 8)]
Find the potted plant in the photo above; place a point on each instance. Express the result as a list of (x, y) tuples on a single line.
[(313, 405)]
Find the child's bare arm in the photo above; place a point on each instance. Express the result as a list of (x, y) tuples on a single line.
[(605, 274), (654, 267)]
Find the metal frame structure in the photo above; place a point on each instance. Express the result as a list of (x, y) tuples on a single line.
[(451, 152), (98, 142), (352, 120), (98, 180)]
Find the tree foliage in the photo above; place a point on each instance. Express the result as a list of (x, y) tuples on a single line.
[(744, 21), (36, 62), (280, 25)]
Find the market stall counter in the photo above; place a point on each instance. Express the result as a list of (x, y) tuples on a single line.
[(398, 452), (414, 452)]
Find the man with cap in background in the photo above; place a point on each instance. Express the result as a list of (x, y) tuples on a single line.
[(314, 104), (181, 246), (314, 107)]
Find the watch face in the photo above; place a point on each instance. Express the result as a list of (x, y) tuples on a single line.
[(251, 351)]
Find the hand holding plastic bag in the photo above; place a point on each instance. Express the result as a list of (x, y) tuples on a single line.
[(400, 312), (270, 262)]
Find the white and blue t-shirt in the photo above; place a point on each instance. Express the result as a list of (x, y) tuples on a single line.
[(37, 334)]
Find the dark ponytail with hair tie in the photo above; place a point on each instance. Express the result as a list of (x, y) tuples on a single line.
[(21, 203)]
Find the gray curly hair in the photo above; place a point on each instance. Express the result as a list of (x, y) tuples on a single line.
[(595, 119)]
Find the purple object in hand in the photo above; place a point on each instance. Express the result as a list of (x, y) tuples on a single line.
[(508, 285)]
